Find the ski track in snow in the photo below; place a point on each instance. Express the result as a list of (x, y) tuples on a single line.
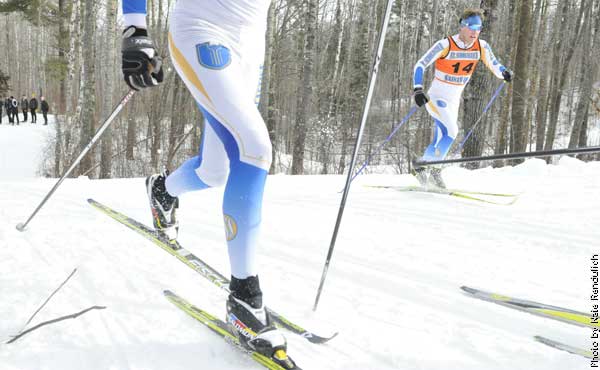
[(392, 290)]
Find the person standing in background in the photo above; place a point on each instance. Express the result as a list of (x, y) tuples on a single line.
[(24, 107), (33, 105), (8, 110), (14, 108), (45, 108)]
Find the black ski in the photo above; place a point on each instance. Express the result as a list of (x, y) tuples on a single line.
[(565, 347), (192, 261), (535, 308), (219, 327)]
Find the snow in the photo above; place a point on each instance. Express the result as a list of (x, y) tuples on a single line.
[(17, 159), (392, 290)]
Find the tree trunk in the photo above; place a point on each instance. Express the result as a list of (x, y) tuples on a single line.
[(106, 153), (267, 95), (588, 70), (305, 90), (519, 129), (562, 72), (88, 78)]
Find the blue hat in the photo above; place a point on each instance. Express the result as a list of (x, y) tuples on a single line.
[(474, 23)]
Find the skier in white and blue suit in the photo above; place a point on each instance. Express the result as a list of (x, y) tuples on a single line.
[(455, 59), (217, 48)]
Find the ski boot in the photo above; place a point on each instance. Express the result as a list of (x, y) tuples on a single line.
[(435, 177), (421, 174), (248, 318), (163, 206)]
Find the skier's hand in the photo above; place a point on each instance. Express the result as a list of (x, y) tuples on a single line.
[(420, 97), (141, 65), (508, 75)]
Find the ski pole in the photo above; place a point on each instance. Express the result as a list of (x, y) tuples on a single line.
[(109, 120), (372, 79), (404, 120), (489, 104)]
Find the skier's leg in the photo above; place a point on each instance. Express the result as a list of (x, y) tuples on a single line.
[(439, 147), (222, 91), (239, 126), (444, 115), (445, 131), (216, 75), (209, 168)]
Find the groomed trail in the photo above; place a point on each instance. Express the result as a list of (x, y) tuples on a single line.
[(392, 290)]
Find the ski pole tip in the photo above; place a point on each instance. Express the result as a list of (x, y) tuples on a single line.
[(20, 227)]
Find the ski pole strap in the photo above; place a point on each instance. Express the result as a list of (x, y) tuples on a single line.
[(489, 104), (404, 120)]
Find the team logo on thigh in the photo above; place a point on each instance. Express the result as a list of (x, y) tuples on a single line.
[(231, 227), (213, 56)]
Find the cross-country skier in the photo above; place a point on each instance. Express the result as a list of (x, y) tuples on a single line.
[(455, 59), (217, 48)]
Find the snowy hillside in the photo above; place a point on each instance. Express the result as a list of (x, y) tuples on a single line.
[(21, 148), (392, 290)]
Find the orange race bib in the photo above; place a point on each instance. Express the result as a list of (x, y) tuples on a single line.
[(457, 66)]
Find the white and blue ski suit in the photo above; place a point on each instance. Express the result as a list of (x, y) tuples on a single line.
[(455, 62), (217, 48)]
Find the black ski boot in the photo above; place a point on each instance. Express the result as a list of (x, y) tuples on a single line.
[(162, 205), (247, 316)]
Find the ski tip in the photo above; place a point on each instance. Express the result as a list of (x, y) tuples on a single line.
[(167, 292), (321, 340), (90, 200), (21, 227), (468, 289)]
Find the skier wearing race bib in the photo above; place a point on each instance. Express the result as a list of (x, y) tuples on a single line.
[(217, 48), (455, 59)]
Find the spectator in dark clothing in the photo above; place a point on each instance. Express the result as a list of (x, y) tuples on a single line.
[(1, 106), (8, 110), (24, 107), (33, 105), (14, 109), (45, 108)]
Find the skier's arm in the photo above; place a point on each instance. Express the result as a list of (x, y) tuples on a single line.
[(439, 49), (490, 61), (141, 64)]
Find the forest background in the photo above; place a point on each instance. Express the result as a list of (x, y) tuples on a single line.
[(317, 64)]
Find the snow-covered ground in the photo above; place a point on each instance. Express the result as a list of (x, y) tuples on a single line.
[(21, 147), (392, 289)]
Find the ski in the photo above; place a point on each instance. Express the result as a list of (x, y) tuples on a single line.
[(565, 347), (201, 267), (222, 329), (492, 198), (420, 188), (539, 309)]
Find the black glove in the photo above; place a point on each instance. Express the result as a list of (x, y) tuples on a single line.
[(508, 75), (420, 97), (142, 67)]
